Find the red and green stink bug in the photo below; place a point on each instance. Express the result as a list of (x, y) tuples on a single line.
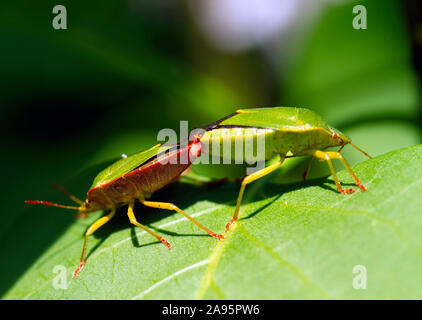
[(135, 178), (285, 132)]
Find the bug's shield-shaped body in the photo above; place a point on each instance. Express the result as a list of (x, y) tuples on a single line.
[(273, 132), (280, 129), (136, 178), (143, 173)]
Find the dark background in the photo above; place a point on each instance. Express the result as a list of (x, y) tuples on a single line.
[(71, 100)]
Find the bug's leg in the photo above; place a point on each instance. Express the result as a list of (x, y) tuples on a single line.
[(133, 221), (97, 224), (308, 166), (248, 179), (171, 206), (326, 157), (338, 155)]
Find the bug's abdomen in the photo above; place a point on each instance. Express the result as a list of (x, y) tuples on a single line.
[(146, 179), (238, 144), (298, 142), (156, 175)]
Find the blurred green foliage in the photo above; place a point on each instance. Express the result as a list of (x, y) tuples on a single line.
[(71, 100)]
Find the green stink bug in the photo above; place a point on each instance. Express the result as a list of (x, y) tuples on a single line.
[(135, 178), (286, 132)]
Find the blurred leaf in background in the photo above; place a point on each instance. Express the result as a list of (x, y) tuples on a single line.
[(362, 81)]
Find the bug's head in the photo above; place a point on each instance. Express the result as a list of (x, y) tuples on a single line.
[(89, 206), (341, 140)]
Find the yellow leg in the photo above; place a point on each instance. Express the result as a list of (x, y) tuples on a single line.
[(327, 156), (171, 206), (338, 155), (96, 225), (248, 179), (133, 221)]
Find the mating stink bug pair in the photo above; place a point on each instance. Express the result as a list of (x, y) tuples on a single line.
[(287, 132)]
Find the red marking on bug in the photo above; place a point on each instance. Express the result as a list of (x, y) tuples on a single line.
[(78, 269), (51, 204), (345, 191), (361, 186), (218, 236), (335, 136), (149, 177), (228, 225), (38, 202), (166, 243), (195, 149)]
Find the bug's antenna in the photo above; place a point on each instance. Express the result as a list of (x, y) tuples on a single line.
[(359, 149), (46, 203), (65, 192)]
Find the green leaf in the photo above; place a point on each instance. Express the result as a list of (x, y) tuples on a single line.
[(293, 241)]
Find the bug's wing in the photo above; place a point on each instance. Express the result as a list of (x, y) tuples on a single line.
[(126, 165), (277, 118)]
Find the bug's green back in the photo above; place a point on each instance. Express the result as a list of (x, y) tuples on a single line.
[(277, 118), (281, 129), (126, 165)]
